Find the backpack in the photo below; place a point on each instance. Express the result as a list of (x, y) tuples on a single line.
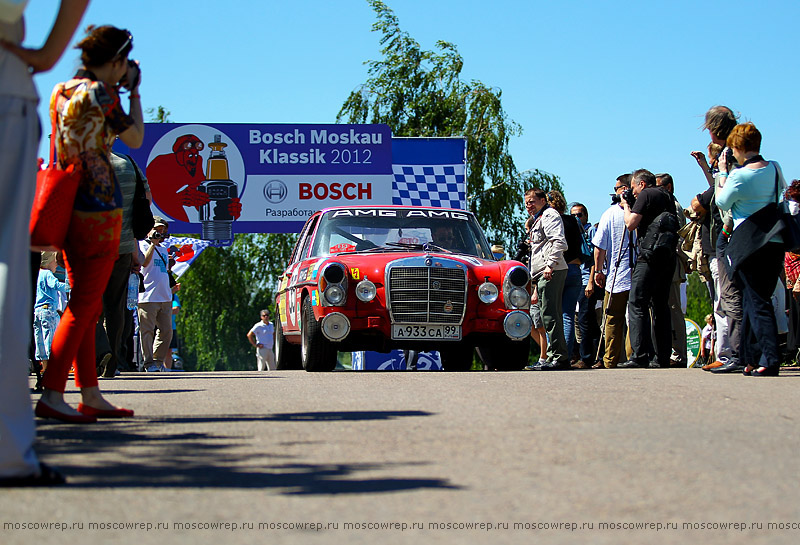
[(661, 236), (587, 248)]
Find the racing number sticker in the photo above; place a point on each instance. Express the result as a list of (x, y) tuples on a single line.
[(355, 273)]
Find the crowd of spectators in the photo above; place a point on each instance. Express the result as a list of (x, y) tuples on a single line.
[(642, 249)]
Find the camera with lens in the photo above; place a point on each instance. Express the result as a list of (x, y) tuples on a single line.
[(627, 195), (523, 251), (124, 81), (156, 236)]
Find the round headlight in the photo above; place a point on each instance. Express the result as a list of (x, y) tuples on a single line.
[(518, 298), (517, 325), (335, 326), (334, 294), (519, 276), (366, 291), (487, 293), (334, 273)]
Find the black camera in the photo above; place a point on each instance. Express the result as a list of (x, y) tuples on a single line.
[(628, 195), (523, 251), (124, 81), (156, 236)]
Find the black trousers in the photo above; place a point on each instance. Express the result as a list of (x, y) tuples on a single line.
[(650, 283), (757, 278), (109, 339)]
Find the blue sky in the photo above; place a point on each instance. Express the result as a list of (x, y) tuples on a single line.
[(599, 88)]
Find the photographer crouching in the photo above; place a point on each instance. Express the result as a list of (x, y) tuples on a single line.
[(155, 302)]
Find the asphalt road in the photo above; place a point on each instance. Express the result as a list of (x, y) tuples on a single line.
[(359, 457)]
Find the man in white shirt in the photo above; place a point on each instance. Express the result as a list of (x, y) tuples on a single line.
[(155, 303), (262, 337), (613, 262)]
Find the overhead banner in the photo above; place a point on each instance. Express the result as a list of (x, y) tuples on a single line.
[(222, 179)]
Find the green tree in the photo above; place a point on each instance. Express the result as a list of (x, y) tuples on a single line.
[(698, 300), (159, 114), (420, 93), (221, 295)]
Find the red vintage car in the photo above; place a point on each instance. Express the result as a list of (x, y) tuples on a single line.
[(399, 277)]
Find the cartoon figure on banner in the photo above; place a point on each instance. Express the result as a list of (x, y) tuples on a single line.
[(177, 181), (182, 253)]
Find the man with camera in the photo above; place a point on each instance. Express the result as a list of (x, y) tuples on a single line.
[(613, 263), (155, 303), (652, 274)]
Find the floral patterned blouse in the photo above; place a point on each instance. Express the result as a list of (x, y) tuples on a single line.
[(89, 118)]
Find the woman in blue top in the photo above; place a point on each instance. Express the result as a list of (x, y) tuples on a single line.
[(744, 191), (45, 313)]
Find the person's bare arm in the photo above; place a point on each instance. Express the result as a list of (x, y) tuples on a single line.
[(70, 13), (632, 219)]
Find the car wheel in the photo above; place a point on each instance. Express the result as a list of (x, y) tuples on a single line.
[(287, 355), (457, 357), (316, 352), (505, 354)]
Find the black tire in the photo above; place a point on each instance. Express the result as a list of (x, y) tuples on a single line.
[(287, 355), (316, 352), (457, 357), (505, 354)]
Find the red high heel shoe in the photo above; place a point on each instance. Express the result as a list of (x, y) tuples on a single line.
[(119, 412), (46, 411)]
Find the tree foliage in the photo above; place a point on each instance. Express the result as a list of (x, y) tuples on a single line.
[(698, 300), (159, 115), (420, 93), (221, 296)]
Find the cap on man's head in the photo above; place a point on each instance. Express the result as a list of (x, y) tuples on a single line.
[(160, 221)]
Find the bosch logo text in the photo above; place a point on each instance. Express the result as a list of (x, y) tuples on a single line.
[(335, 191)]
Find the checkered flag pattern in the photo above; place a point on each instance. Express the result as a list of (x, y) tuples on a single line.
[(434, 185)]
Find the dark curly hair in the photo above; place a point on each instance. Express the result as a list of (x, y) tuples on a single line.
[(103, 44), (793, 191)]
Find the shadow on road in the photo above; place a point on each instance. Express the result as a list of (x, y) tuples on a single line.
[(161, 453)]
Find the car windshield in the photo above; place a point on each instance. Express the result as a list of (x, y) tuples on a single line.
[(402, 229)]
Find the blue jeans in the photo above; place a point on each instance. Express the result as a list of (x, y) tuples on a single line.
[(45, 322), (573, 286)]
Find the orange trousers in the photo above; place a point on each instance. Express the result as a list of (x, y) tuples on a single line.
[(89, 259)]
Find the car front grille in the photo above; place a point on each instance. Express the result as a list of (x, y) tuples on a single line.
[(430, 295)]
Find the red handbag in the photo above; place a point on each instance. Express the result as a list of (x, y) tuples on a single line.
[(53, 203)]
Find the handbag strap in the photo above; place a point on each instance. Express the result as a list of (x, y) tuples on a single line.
[(777, 196), (53, 135), (139, 181)]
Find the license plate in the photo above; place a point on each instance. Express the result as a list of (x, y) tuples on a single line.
[(425, 332)]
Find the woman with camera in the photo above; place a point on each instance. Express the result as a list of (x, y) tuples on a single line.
[(88, 117), (746, 191)]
